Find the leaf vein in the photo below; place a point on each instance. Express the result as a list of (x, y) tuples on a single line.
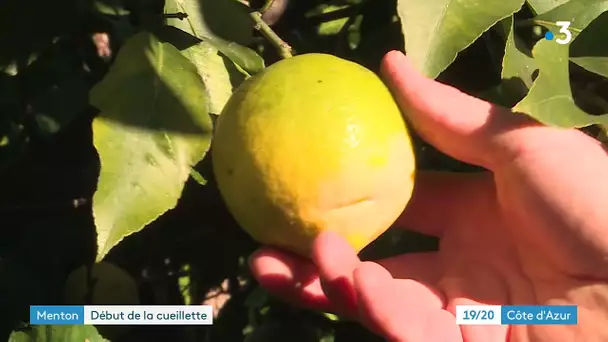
[(435, 30), (160, 61)]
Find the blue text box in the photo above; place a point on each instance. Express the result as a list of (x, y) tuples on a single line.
[(539, 314), (56, 314)]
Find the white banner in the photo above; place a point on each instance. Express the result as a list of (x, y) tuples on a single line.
[(148, 315)]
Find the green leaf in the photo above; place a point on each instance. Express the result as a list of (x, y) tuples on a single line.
[(193, 23), (517, 61), (110, 8), (196, 25), (219, 79), (330, 27), (542, 6), (582, 13), (603, 135), (58, 333), (153, 127), (579, 12), (225, 19), (550, 98), (235, 30), (587, 52), (242, 56), (328, 338), (436, 31), (198, 177), (517, 66), (331, 316)]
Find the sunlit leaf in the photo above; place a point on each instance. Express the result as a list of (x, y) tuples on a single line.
[(580, 13), (58, 333), (587, 52), (603, 135), (542, 6), (517, 66), (227, 20), (240, 55), (198, 177), (212, 68), (550, 98), (436, 31), (516, 61), (153, 127), (109, 8), (237, 28), (329, 27), (331, 316)]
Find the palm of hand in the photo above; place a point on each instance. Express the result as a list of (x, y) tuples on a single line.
[(495, 255), (499, 236), (524, 233)]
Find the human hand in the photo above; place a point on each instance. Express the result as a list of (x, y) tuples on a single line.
[(531, 230)]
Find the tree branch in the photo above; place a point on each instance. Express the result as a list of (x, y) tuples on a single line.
[(260, 25), (280, 45)]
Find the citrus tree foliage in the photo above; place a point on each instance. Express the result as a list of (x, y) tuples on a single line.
[(154, 125), (142, 175), (147, 140), (162, 70), (58, 333)]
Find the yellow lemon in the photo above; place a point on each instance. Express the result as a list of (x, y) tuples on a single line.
[(313, 143)]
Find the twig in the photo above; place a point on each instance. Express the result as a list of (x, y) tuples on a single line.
[(267, 5), (260, 25), (178, 15), (282, 47)]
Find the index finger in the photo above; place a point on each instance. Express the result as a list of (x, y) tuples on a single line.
[(459, 125)]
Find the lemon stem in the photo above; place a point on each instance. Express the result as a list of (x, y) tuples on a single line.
[(283, 49), (280, 45)]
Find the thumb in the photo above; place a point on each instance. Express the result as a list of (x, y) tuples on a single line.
[(462, 126)]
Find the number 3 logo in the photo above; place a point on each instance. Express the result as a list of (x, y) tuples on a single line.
[(564, 25)]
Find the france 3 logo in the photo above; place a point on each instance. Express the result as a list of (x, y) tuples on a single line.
[(564, 29)]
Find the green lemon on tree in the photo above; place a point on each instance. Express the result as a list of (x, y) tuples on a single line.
[(313, 143), (104, 284), (108, 285)]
